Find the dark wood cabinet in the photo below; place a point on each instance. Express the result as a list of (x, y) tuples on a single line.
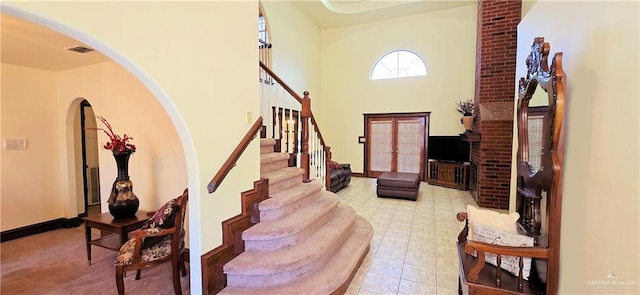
[(453, 175)]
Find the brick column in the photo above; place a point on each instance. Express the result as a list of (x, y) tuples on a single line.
[(494, 99)]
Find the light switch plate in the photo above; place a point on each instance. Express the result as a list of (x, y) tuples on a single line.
[(14, 143)]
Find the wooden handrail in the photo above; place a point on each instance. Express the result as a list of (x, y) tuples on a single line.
[(305, 114), (281, 82), (315, 127), (235, 155)]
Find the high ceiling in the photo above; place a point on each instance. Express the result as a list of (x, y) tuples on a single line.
[(338, 13), (31, 45)]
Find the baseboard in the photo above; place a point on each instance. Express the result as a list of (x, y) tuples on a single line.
[(357, 174), (212, 262), (33, 229)]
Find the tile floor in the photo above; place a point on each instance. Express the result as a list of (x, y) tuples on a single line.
[(413, 247)]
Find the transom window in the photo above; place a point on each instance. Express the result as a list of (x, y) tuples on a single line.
[(398, 64)]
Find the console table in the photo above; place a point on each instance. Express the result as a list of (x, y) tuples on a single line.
[(113, 232), (448, 174)]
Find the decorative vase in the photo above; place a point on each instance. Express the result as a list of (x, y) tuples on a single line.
[(467, 121), (123, 202), (122, 163)]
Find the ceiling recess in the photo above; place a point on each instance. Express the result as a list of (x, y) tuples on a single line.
[(80, 49)]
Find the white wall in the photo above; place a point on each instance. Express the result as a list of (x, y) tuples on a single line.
[(32, 185), (600, 225), (296, 48), (444, 39), (197, 59), (157, 169)]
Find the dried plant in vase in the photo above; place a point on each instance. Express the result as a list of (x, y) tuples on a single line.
[(117, 144), (465, 108)]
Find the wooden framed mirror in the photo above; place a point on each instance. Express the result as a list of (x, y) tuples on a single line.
[(532, 255), (535, 127), (540, 121)]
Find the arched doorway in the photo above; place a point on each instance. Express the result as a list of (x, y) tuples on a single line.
[(55, 133), (90, 166)]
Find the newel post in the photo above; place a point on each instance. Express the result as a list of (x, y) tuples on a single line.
[(306, 116)]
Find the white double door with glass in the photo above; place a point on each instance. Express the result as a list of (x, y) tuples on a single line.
[(395, 144)]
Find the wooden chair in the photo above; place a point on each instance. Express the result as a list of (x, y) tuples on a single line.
[(538, 192), (161, 239)]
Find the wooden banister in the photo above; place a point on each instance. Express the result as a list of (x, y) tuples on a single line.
[(306, 119), (235, 155), (264, 44), (327, 149), (281, 82), (315, 126)]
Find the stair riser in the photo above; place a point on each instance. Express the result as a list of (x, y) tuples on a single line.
[(289, 275), (285, 184), (280, 243), (275, 165), (265, 149), (270, 215), (297, 222)]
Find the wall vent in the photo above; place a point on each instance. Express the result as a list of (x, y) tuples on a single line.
[(80, 49)]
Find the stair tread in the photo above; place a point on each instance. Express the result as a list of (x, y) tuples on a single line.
[(294, 222), (273, 262), (329, 277), (273, 157), (267, 141), (289, 195), (281, 174)]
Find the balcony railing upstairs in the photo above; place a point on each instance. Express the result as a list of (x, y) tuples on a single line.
[(290, 121)]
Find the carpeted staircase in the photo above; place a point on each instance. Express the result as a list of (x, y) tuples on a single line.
[(307, 241)]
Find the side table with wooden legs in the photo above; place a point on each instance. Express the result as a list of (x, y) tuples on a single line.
[(113, 232)]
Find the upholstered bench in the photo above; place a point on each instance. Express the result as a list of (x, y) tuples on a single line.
[(398, 185)]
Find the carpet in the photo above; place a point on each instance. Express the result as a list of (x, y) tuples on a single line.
[(55, 262)]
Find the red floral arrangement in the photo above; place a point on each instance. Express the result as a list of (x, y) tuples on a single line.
[(117, 145)]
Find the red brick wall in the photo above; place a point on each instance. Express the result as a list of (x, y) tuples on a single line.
[(494, 99)]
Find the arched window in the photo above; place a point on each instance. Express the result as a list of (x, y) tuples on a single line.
[(398, 64), (264, 44), (262, 28)]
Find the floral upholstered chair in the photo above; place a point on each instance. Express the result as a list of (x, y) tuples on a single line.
[(159, 240)]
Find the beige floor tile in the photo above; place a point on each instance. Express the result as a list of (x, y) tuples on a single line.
[(416, 288), (425, 274), (366, 292), (387, 267), (447, 291), (396, 253), (394, 242), (380, 284), (447, 280), (425, 259), (413, 250)]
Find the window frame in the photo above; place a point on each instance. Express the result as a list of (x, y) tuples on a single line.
[(397, 67)]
